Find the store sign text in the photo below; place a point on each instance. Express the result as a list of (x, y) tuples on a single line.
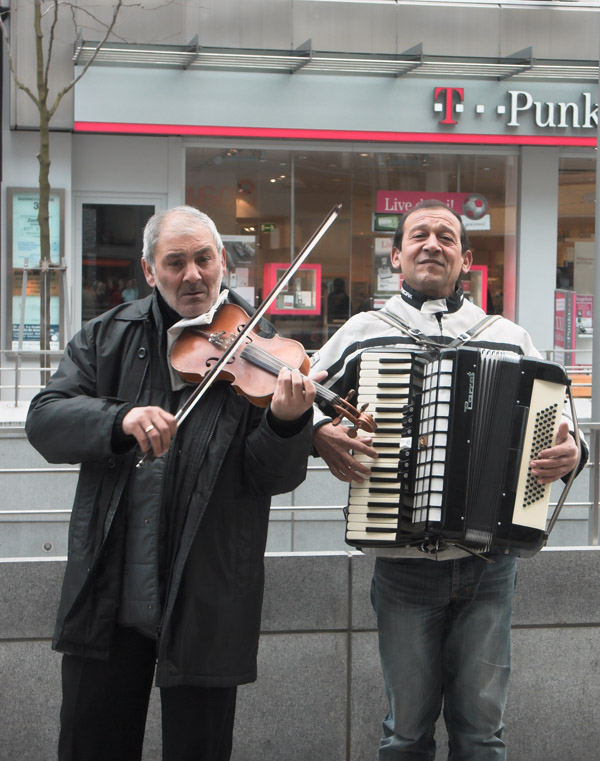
[(450, 102)]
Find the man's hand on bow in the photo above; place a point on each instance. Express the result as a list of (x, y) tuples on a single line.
[(152, 427)]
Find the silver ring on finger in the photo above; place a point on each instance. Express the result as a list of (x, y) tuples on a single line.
[(148, 428)]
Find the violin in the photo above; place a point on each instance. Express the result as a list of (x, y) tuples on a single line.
[(254, 367)]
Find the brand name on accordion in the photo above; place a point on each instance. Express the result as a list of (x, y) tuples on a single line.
[(470, 392)]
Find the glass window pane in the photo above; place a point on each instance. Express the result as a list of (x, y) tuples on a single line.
[(254, 194), (575, 260), (112, 247), (576, 220)]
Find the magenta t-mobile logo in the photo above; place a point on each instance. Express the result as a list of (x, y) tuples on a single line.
[(448, 100)]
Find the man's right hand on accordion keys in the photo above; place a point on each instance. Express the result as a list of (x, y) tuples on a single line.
[(339, 450)]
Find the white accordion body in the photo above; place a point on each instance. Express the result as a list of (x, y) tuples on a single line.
[(456, 431)]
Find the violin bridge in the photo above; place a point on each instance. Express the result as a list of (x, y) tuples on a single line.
[(221, 339)]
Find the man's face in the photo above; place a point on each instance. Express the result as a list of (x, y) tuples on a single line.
[(431, 259), (188, 268)]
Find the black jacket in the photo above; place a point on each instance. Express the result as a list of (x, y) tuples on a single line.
[(211, 617)]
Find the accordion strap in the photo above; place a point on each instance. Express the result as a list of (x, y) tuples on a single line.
[(420, 337)]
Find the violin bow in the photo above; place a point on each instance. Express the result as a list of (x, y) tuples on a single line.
[(210, 377)]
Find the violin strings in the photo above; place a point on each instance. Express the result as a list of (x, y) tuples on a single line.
[(268, 362)]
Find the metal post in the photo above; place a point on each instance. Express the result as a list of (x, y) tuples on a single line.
[(593, 519), (595, 440), (596, 321), (21, 330), (292, 206)]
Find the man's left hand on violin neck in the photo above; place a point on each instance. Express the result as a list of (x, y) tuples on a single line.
[(294, 394)]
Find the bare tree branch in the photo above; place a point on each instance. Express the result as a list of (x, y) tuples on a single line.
[(72, 84), (50, 43)]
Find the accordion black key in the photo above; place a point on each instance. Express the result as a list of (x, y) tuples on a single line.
[(456, 431)]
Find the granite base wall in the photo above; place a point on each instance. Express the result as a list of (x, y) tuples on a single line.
[(319, 693)]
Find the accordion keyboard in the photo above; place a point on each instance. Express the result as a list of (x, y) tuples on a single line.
[(373, 508)]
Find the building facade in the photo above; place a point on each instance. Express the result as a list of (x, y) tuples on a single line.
[(266, 113)]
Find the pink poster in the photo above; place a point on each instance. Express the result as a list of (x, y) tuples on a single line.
[(470, 205)]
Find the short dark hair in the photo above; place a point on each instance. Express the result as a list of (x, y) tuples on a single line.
[(431, 203)]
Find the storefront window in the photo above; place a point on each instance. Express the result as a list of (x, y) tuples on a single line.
[(576, 215), (112, 246), (575, 260), (267, 203)]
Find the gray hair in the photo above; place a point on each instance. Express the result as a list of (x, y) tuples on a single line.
[(154, 226)]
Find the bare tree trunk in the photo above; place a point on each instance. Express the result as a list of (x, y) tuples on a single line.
[(45, 261), (44, 187)]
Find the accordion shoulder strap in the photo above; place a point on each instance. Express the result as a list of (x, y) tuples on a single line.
[(420, 337)]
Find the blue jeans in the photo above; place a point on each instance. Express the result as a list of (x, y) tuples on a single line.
[(444, 633)]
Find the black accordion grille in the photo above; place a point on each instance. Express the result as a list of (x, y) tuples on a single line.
[(542, 439)]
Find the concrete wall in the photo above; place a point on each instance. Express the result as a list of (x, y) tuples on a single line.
[(319, 693)]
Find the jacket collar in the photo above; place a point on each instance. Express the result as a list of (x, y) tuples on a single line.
[(425, 303), (140, 309)]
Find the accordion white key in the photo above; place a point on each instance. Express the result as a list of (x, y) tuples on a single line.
[(456, 431)]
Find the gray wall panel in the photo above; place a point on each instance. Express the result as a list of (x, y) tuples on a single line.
[(29, 701), (554, 694), (558, 587), (306, 593), (317, 687), (29, 593), (297, 709)]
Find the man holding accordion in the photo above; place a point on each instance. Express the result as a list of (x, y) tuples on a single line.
[(444, 627)]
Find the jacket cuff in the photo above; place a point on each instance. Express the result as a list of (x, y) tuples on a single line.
[(120, 441), (288, 428)]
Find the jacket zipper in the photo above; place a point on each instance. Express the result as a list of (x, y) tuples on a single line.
[(438, 316)]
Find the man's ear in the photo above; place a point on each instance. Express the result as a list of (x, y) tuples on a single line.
[(467, 261), (148, 273), (395, 259)]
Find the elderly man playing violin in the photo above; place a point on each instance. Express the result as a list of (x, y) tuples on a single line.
[(165, 567)]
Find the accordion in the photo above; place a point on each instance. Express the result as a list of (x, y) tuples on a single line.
[(456, 431)]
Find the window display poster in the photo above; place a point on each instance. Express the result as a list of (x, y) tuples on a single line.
[(302, 293), (26, 230), (572, 326), (387, 281), (29, 310), (240, 251), (472, 207), (564, 334)]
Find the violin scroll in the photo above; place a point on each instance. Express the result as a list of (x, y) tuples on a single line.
[(357, 417)]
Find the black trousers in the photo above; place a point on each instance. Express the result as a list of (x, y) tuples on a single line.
[(103, 713)]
